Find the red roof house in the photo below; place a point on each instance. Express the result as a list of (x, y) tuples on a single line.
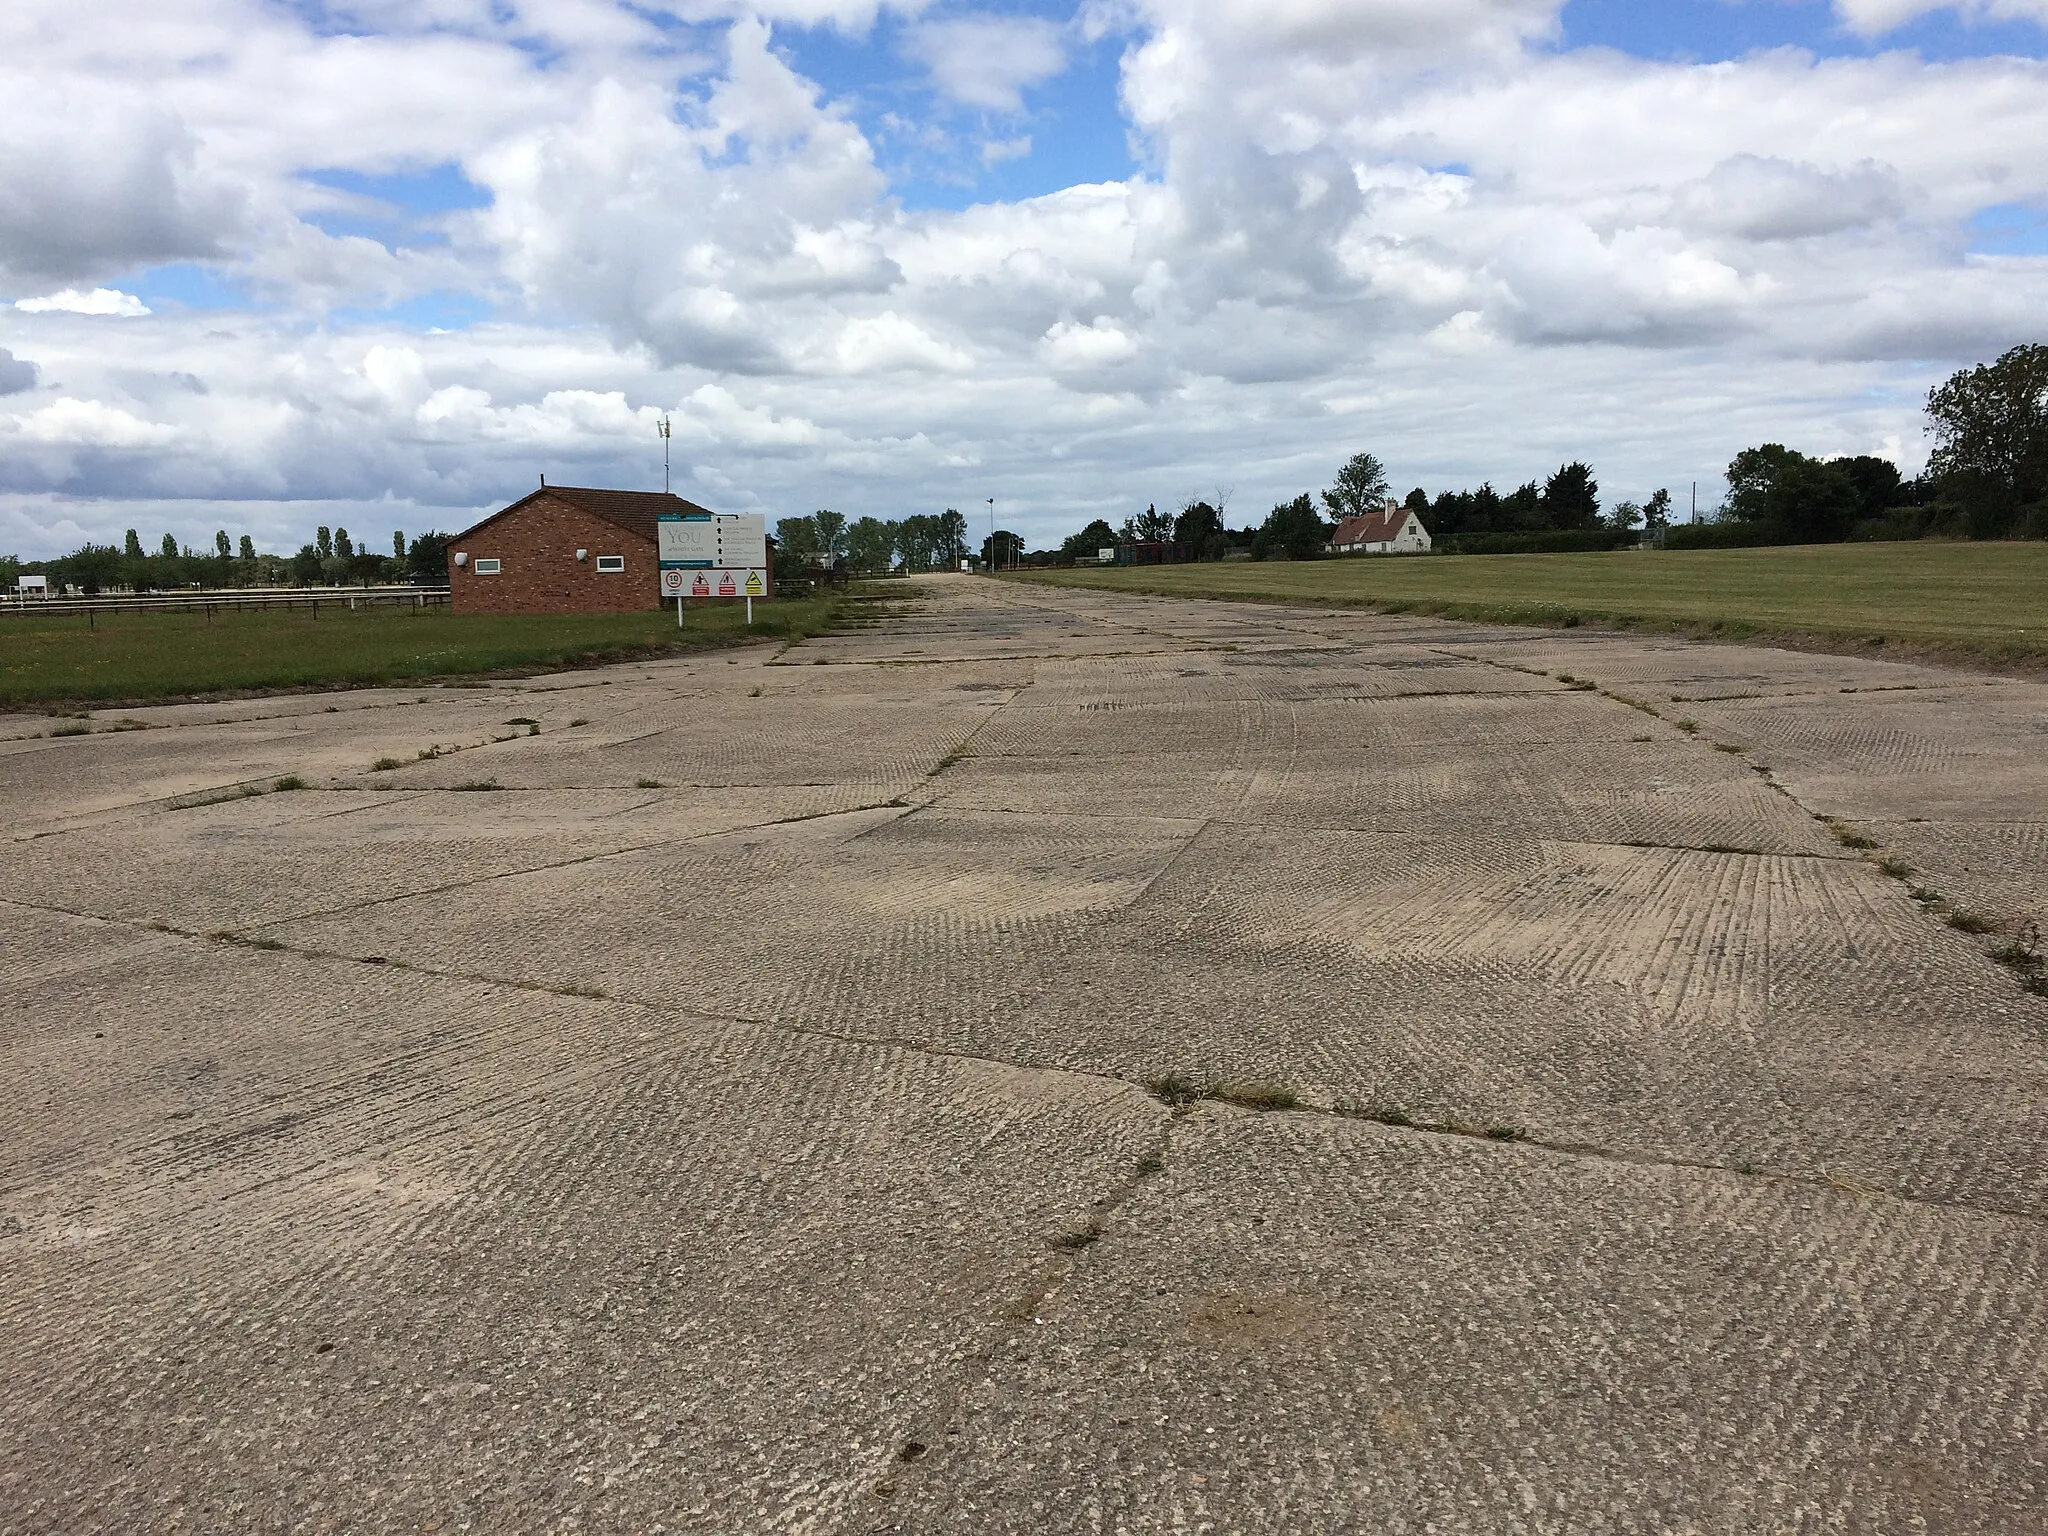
[(1391, 530)]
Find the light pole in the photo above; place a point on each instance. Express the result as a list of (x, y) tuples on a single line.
[(991, 535), (663, 429)]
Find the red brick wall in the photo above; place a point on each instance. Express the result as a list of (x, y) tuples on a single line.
[(540, 572)]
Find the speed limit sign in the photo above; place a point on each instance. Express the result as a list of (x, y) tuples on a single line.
[(674, 582)]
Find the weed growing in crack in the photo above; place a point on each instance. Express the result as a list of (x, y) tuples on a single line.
[(1925, 896), (534, 729), (1506, 1133), (1854, 840), (478, 785), (385, 765), (576, 722), (1259, 1096), (1729, 746), (428, 754), (289, 781), (522, 720), (1150, 1165), (649, 784), (1896, 869), (74, 729), (579, 991), (1079, 1238), (1174, 1089), (1690, 727), (2023, 951), (1964, 921)]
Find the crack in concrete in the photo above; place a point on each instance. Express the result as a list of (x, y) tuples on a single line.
[(1386, 1122)]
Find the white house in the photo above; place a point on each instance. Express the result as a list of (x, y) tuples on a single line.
[(1393, 530)]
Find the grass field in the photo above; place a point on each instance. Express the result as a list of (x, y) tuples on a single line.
[(1979, 601), (136, 656)]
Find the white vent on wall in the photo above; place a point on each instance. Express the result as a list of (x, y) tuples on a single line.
[(461, 559), (582, 554)]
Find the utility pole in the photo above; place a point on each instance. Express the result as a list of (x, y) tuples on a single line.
[(991, 534), (663, 429)]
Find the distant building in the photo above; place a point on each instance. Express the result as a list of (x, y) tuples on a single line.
[(1393, 530), (564, 549)]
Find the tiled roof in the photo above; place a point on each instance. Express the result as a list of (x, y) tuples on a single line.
[(1373, 528), (634, 511)]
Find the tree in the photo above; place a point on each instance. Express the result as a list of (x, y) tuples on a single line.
[(248, 549), (1991, 439), (344, 546), (1626, 515), (1878, 483), (169, 548), (90, 567), (796, 541), (951, 532), (1790, 496), (427, 557), (1293, 528), (1089, 543), (131, 545), (365, 568), (1361, 488), (306, 564), (1149, 527), (831, 530), (323, 542), (1197, 524), (1657, 510), (1521, 510), (398, 546), (1571, 498), (222, 546), (871, 544), (1001, 549)]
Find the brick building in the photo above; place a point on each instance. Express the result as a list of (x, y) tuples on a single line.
[(564, 549)]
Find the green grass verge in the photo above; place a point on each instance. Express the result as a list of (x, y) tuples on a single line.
[(136, 656), (1981, 601)]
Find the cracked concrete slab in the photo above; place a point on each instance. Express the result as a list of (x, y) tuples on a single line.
[(738, 1119)]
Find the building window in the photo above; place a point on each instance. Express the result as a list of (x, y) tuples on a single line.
[(610, 563), (485, 567)]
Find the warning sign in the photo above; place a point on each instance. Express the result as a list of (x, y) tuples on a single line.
[(700, 584), (755, 585), (728, 584)]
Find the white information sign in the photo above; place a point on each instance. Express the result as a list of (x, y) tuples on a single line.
[(702, 555), (686, 539), (743, 541)]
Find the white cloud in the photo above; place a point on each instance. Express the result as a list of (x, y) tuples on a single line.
[(988, 61), (1393, 224), (77, 301), (89, 424), (1875, 17)]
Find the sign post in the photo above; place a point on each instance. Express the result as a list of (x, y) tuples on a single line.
[(694, 545)]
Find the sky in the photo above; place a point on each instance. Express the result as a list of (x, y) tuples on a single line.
[(382, 264)]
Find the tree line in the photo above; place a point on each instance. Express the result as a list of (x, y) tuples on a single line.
[(1987, 478), (332, 559), (921, 542)]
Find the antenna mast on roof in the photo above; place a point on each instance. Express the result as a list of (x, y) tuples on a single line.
[(663, 430)]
